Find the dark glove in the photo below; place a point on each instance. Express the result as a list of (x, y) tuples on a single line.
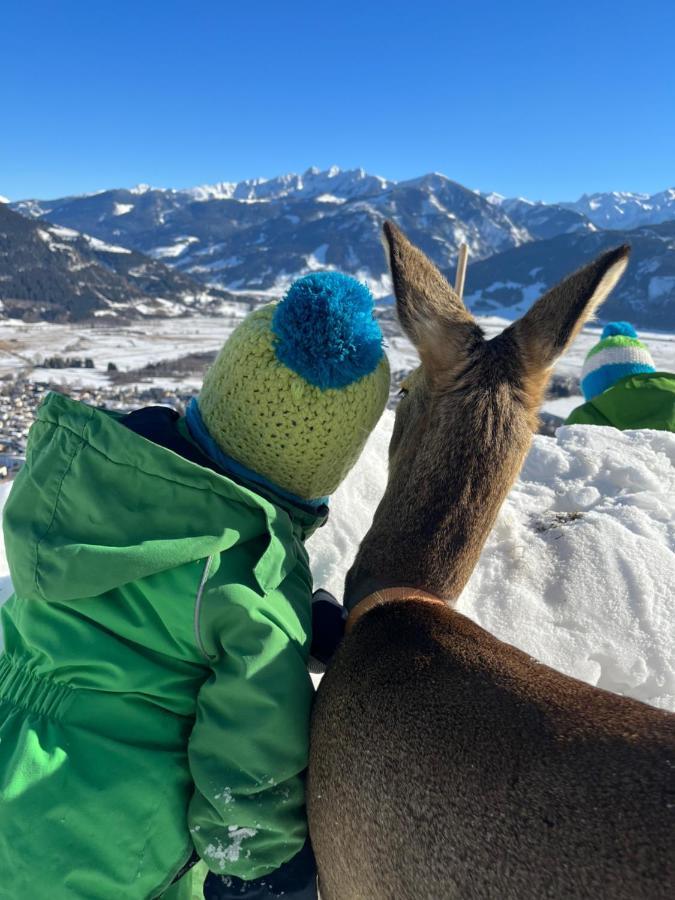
[(328, 628), (295, 880)]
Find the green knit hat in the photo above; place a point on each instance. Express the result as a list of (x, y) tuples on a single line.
[(300, 384), (619, 353)]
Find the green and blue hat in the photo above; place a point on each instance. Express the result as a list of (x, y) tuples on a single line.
[(619, 353), (299, 385)]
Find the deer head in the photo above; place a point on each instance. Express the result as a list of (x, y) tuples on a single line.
[(465, 421)]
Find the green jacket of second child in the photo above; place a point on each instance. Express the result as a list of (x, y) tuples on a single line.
[(636, 401), (154, 695)]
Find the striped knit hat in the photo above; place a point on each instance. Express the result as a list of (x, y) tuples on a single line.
[(618, 353), (299, 386)]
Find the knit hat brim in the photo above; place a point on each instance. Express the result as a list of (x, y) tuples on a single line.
[(620, 353)]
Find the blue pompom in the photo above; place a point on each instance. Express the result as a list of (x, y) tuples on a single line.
[(326, 331), (624, 328)]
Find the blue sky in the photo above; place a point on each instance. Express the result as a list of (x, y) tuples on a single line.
[(546, 100)]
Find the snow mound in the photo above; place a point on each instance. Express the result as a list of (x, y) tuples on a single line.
[(579, 571)]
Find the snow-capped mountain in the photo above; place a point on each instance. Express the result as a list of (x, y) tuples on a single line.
[(55, 273), (258, 235), (507, 283), (333, 183), (618, 209), (543, 220), (255, 236)]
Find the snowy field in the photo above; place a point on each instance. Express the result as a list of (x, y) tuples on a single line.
[(579, 570), (133, 346)]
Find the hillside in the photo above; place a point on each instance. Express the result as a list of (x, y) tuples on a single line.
[(507, 283), (49, 272)]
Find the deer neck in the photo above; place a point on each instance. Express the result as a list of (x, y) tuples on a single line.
[(444, 492)]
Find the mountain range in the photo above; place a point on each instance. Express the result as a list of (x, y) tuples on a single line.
[(253, 237), (54, 273)]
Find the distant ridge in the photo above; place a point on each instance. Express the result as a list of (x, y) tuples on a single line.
[(255, 236), (53, 273)]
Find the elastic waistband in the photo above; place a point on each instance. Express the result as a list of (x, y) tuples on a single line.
[(118, 716), (34, 693)]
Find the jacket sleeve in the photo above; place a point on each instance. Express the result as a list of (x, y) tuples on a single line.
[(249, 746)]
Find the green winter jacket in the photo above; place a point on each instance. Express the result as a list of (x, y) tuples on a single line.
[(154, 694), (636, 401)]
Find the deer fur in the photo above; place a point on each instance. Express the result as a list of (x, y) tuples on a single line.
[(445, 763)]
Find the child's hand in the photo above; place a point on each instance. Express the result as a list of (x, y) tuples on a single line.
[(328, 628)]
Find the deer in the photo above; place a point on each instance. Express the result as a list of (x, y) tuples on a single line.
[(445, 763)]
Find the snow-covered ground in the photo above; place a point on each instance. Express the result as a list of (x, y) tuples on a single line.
[(127, 346)]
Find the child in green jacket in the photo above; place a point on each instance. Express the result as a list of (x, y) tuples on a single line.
[(621, 385), (154, 694)]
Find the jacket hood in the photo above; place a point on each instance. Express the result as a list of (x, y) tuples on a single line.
[(96, 506)]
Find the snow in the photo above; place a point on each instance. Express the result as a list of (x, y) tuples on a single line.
[(61, 231), (579, 571), (329, 198), (121, 209), (47, 237), (379, 287), (97, 244), (220, 853), (222, 190), (128, 346), (69, 234), (623, 209), (334, 183), (563, 406), (317, 259), (174, 250)]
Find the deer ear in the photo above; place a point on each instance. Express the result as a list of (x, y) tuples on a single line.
[(552, 323), (429, 310)]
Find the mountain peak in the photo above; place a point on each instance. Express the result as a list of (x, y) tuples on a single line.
[(626, 209), (344, 184)]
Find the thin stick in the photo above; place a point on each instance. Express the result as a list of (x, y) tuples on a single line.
[(462, 257)]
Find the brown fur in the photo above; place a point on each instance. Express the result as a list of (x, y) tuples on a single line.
[(445, 763)]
